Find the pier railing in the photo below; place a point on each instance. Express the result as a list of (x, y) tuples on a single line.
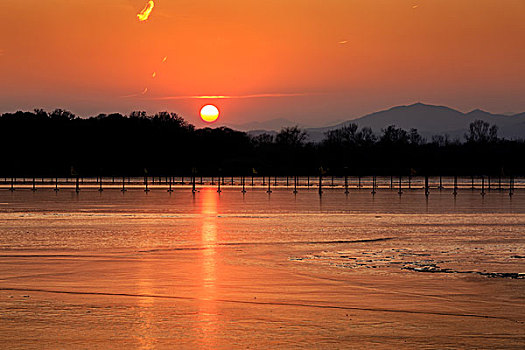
[(428, 184)]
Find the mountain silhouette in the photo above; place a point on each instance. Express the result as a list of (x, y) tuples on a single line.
[(429, 120), (434, 120)]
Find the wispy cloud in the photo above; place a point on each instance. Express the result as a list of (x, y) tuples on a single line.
[(143, 92), (231, 97)]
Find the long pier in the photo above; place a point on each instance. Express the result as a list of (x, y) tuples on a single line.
[(401, 184)]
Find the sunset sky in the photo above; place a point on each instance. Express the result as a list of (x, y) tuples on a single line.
[(313, 62)]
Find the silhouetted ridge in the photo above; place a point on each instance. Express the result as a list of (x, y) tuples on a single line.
[(432, 120)]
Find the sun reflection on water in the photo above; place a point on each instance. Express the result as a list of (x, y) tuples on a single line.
[(208, 313), (144, 336)]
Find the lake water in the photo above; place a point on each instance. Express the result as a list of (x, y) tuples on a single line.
[(153, 270)]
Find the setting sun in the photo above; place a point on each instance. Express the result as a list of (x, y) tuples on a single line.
[(209, 113)]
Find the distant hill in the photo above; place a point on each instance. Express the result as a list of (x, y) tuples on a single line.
[(433, 120), (428, 120)]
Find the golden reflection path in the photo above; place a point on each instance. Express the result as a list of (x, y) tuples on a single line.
[(145, 321), (208, 317), (145, 318)]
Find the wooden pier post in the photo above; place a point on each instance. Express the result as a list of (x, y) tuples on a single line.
[(332, 184), (374, 185), (77, 185), (269, 185), (219, 184), (169, 184), (232, 180), (295, 184), (455, 186), (320, 184), (243, 179), (193, 171), (12, 184), (359, 181), (482, 185), (440, 182), (275, 180), (409, 182), (34, 185), (146, 189), (308, 179), (427, 188), (100, 184), (400, 192), (391, 182), (56, 184), (346, 184), (511, 186), (123, 184)]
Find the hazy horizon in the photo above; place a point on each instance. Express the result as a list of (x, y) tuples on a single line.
[(312, 124)]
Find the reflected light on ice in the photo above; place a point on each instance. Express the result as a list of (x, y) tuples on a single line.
[(208, 313)]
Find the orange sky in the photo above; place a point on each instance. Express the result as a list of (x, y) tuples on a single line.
[(96, 56)]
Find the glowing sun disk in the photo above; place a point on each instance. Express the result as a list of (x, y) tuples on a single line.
[(209, 113)]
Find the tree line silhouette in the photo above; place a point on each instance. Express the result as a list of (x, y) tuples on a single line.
[(61, 144)]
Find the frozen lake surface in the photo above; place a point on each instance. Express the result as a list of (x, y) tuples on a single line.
[(157, 270)]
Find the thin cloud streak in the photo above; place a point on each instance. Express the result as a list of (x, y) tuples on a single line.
[(143, 92), (231, 97)]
